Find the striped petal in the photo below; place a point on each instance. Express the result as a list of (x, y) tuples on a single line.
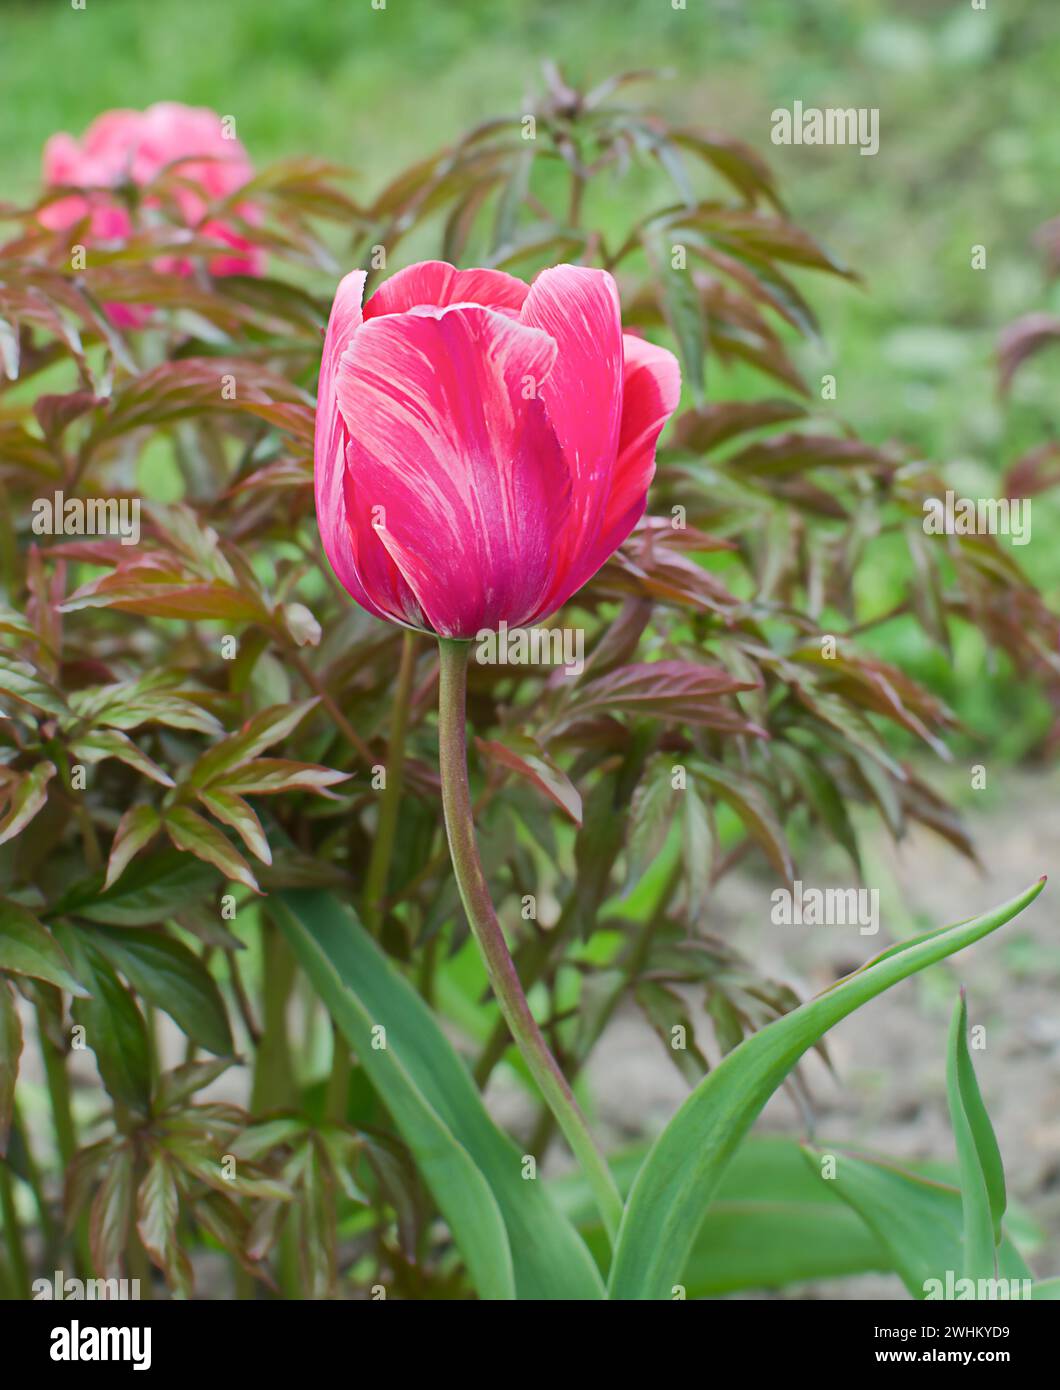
[(439, 283), (452, 453)]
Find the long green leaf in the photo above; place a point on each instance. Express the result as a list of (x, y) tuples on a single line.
[(430, 1094), (978, 1156), (681, 1172), (918, 1219), (772, 1223), (314, 927)]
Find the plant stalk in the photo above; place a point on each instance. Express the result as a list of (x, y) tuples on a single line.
[(15, 1246), (383, 845), (503, 977)]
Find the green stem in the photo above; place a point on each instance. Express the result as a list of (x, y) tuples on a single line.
[(34, 1180), (383, 845), (15, 1248), (63, 1122), (274, 1084), (475, 895), (58, 1091)]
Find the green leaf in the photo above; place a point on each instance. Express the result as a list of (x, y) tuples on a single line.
[(29, 796), (426, 1087), (234, 811), (679, 690), (686, 1162), (652, 809), (169, 976), (27, 947), (111, 1213), (137, 828), (683, 311), (978, 1156), (157, 1212), (750, 803), (205, 1165), (522, 754), (10, 1052), (917, 1219), (458, 1186), (20, 681), (773, 1222), (151, 890), (266, 775), (110, 743), (191, 832), (697, 844), (114, 1027), (259, 733), (183, 1081)]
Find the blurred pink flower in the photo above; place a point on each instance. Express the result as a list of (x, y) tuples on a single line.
[(133, 147), (482, 446)]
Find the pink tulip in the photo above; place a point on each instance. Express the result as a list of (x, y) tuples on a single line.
[(482, 446), (133, 147)]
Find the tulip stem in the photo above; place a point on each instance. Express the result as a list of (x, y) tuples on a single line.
[(478, 905)]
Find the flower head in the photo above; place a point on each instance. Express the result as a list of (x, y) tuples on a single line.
[(483, 446)]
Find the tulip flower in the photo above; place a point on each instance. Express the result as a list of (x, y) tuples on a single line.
[(122, 147), (482, 448)]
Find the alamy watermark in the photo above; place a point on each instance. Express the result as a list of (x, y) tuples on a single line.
[(63, 1289), (954, 1287), (833, 125), (87, 516), (532, 646), (984, 516), (826, 907)]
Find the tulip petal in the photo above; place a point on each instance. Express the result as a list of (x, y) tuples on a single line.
[(460, 457), (439, 283), (579, 308), (650, 393), (329, 447)]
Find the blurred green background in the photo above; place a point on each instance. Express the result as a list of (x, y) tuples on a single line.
[(969, 154)]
